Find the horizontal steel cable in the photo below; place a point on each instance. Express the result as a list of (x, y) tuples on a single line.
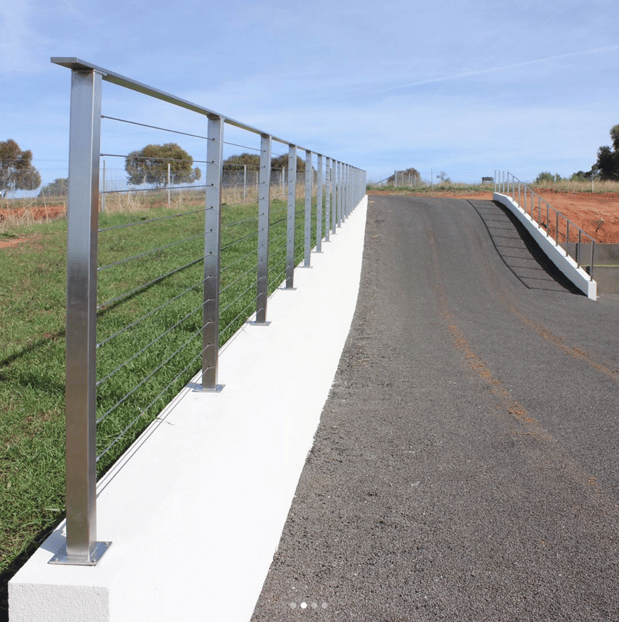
[(277, 222), (243, 312), (133, 422), (150, 252), (241, 146), (153, 127), (237, 299), (243, 276), (173, 188), (153, 311), (144, 285), (149, 376), (237, 203), (276, 238), (251, 235), (151, 220), (236, 261), (274, 266), (240, 222), (154, 341), (139, 157)]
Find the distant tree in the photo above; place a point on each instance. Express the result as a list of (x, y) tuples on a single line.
[(282, 162), (150, 166), (244, 159), (16, 170), (547, 178), (607, 164), (58, 187)]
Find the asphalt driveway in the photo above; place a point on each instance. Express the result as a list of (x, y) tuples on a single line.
[(466, 463)]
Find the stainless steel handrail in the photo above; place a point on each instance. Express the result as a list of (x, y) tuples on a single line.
[(344, 186)]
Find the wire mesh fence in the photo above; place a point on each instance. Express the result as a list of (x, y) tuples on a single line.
[(171, 249)]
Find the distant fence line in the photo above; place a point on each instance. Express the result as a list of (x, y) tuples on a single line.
[(220, 260)]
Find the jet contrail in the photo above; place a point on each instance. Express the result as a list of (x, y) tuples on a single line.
[(467, 74)]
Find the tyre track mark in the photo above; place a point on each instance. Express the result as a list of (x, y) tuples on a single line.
[(554, 453)]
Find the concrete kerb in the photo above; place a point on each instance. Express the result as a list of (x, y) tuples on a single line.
[(196, 507), (556, 254)]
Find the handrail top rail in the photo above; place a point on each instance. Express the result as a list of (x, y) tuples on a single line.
[(76, 64)]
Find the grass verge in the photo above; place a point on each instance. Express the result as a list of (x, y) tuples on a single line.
[(140, 369)]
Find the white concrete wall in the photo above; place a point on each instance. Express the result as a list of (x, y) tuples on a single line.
[(556, 254), (196, 507)]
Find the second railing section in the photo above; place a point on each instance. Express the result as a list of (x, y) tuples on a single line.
[(576, 243)]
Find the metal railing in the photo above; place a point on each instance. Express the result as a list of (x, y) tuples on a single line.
[(151, 297), (564, 233)]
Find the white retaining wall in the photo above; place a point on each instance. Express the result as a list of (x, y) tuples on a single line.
[(196, 507), (555, 253)]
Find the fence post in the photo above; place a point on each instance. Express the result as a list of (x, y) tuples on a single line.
[(308, 208), (333, 195), (103, 184), (168, 185), (212, 254), (81, 337), (338, 185), (343, 185), (292, 201), (319, 210), (264, 207), (336, 194), (345, 193), (328, 200), (349, 192)]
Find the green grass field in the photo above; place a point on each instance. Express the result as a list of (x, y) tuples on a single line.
[(139, 368)]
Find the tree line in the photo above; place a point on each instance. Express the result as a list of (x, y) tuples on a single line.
[(160, 165), (605, 168), (157, 165)]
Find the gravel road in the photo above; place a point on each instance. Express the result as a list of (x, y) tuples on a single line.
[(466, 464)]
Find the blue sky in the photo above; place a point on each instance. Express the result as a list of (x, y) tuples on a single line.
[(443, 86)]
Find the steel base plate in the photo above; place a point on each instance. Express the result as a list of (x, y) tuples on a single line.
[(97, 551)]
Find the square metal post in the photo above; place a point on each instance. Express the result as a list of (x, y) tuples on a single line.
[(328, 191), (212, 254), (81, 339), (336, 195), (348, 194), (292, 200), (319, 208), (264, 208), (340, 193), (308, 209), (344, 192)]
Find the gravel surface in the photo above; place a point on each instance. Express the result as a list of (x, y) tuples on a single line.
[(466, 464)]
